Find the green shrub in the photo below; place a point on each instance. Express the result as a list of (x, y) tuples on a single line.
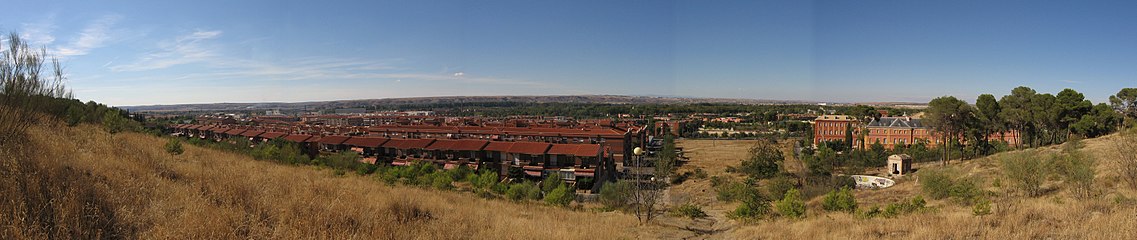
[(763, 162), (441, 181), (752, 208), (174, 146), (389, 176), (730, 191), (700, 173), (1077, 170), (982, 207), (896, 209), (792, 205), (840, 200), (560, 196), (1026, 171), (518, 191), (615, 195), (533, 192), (459, 173), (688, 210), (551, 182), (485, 180), (778, 186), (939, 184)]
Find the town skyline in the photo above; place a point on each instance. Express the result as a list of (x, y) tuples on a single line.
[(142, 53)]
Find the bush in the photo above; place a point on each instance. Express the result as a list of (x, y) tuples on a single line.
[(615, 195), (485, 180), (560, 196), (1077, 170), (778, 186), (763, 162), (792, 205), (939, 184), (551, 182), (700, 173), (441, 181), (1026, 172), (982, 207), (840, 201), (518, 191), (689, 210), (174, 146), (729, 191), (755, 207), (459, 173), (896, 209)]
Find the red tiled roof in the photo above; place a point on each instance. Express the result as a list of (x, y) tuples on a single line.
[(252, 133), (333, 140), (469, 145), (219, 130), (271, 135), (371, 142), (417, 143), (441, 144), (408, 143), (235, 132), (534, 148), (498, 146), (563, 149), (587, 150), (299, 138)]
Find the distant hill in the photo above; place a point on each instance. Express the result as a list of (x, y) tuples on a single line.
[(316, 105)]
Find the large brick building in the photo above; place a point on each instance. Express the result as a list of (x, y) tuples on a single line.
[(832, 128), (890, 131)]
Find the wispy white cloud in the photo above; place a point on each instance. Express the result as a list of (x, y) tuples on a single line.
[(185, 49), (204, 47), (39, 33), (95, 35)]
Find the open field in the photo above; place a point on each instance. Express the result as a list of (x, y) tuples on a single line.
[(85, 183)]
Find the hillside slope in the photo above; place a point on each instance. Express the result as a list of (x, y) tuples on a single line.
[(83, 182), (1110, 213)]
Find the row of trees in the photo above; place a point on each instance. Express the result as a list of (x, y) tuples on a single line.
[(1039, 119)]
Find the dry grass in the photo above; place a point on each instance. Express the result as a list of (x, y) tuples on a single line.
[(83, 183), (1058, 214), (97, 185)]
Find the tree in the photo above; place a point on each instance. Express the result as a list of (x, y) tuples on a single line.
[(764, 160), (1125, 101), (948, 117), (1044, 114), (987, 112), (791, 205), (1101, 120), (1016, 111), (1071, 106), (864, 115), (841, 200), (24, 87), (665, 164)]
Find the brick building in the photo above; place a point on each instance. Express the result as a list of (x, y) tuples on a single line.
[(832, 128)]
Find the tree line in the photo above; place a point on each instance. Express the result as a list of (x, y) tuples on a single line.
[(1039, 119)]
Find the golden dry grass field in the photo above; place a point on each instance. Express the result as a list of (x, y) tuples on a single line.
[(83, 182)]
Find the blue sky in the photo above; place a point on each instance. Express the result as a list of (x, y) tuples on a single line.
[(153, 52)]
